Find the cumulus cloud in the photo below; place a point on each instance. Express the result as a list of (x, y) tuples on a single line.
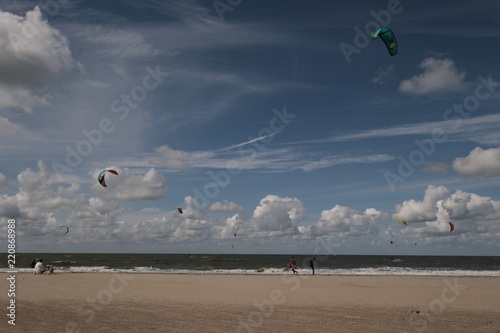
[(39, 208), (32, 49), (32, 55), (175, 159), (439, 75), (419, 211), (127, 187), (342, 222), (7, 128), (22, 98), (475, 215), (193, 226), (278, 216), (9, 207), (464, 206), (480, 163), (225, 206), (224, 229)]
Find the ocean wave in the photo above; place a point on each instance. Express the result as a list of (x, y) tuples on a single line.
[(379, 271)]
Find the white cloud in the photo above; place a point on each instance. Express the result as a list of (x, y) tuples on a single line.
[(175, 159), (328, 161), (9, 207), (127, 187), (32, 56), (7, 128), (225, 206), (238, 145), (482, 129), (22, 98), (473, 215), (32, 50), (480, 163), (440, 75), (278, 216), (224, 229), (4, 183), (466, 206), (278, 159), (116, 43), (40, 209), (341, 221), (419, 211)]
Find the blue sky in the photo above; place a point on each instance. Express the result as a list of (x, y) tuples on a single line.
[(280, 121)]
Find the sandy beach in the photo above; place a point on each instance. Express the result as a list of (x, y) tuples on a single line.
[(100, 302)]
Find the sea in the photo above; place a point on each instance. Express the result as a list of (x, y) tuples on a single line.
[(257, 264)]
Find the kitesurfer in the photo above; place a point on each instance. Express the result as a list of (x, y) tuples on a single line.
[(294, 266), (311, 263)]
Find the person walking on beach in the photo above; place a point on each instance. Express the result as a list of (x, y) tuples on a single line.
[(311, 263), (294, 265)]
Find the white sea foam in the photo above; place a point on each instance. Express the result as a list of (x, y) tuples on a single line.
[(380, 271)]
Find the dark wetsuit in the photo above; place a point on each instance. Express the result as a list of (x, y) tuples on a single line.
[(311, 263)]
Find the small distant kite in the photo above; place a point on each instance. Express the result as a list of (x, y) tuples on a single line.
[(67, 229), (100, 178), (234, 234), (392, 242), (452, 226), (402, 222), (389, 39), (179, 209)]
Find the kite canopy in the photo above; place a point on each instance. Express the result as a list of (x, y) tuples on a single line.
[(389, 39), (67, 229), (402, 222), (100, 178), (452, 226), (234, 234), (179, 209)]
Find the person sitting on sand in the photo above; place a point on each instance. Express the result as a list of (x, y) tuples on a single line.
[(41, 269)]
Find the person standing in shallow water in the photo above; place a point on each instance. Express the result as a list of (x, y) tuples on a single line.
[(311, 263), (294, 265)]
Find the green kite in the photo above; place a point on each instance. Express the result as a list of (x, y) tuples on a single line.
[(389, 39)]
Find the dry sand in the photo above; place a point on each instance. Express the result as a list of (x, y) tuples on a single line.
[(99, 302)]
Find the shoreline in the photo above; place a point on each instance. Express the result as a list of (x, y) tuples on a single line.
[(228, 273)]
